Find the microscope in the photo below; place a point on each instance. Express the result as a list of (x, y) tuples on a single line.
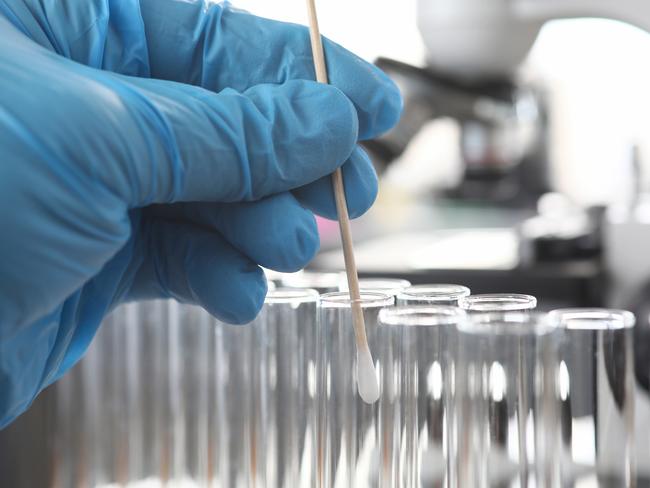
[(473, 49)]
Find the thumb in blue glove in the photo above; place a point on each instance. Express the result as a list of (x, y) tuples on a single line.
[(161, 153)]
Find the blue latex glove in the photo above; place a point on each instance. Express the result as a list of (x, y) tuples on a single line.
[(161, 148)]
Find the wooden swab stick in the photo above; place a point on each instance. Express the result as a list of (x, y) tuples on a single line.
[(366, 376)]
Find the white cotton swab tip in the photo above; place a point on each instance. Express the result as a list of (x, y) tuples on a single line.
[(368, 383)]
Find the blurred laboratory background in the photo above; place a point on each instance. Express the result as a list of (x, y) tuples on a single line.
[(521, 165), (521, 161)]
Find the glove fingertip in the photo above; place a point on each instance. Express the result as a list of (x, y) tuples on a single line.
[(361, 188), (249, 300), (308, 242), (388, 105), (364, 176), (225, 282), (393, 107), (302, 246)]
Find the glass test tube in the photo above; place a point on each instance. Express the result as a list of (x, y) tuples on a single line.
[(265, 422), (497, 302), (348, 442), (389, 286), (596, 397), (105, 397), (134, 411), (112, 380), (188, 384), (505, 401), (76, 463), (417, 403), (154, 367), (234, 431), (290, 318), (434, 294), (87, 428)]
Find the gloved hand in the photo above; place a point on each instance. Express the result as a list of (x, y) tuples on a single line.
[(164, 148)]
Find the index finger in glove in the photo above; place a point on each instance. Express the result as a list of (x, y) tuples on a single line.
[(189, 144), (275, 232), (217, 46)]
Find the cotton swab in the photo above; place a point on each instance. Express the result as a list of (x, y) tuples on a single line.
[(367, 381)]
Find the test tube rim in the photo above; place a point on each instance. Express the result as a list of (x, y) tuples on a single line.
[(291, 295), (341, 299), (434, 292), (482, 302), (314, 279), (396, 285), (421, 316), (508, 323), (600, 318)]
